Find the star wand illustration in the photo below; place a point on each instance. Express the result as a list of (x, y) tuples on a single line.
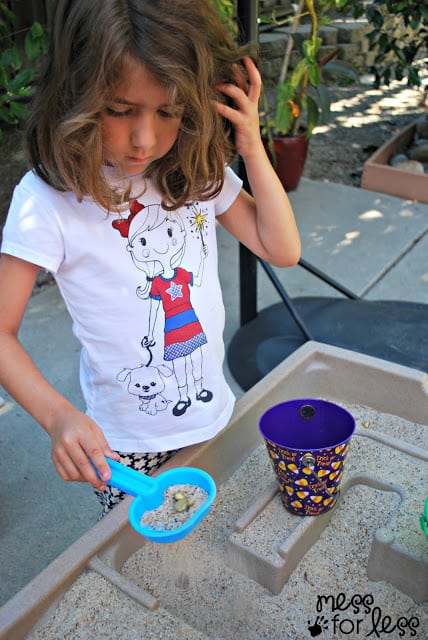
[(198, 222)]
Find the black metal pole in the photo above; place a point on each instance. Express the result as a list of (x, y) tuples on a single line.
[(286, 300), (247, 14)]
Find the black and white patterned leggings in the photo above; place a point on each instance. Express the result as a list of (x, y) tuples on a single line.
[(145, 462)]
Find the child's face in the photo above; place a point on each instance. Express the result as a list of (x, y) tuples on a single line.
[(140, 122)]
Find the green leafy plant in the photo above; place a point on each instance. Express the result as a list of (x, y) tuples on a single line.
[(399, 37), (302, 97), (424, 519), (17, 68), (225, 9)]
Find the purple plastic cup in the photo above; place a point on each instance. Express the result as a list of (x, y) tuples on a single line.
[(307, 441)]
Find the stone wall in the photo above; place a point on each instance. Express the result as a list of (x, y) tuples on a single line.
[(347, 34), (342, 31), (266, 6)]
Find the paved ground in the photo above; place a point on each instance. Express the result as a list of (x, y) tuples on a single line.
[(374, 244)]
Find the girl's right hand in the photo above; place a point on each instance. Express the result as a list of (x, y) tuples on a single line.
[(78, 448)]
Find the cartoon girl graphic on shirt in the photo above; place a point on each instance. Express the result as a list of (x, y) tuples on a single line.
[(159, 256)]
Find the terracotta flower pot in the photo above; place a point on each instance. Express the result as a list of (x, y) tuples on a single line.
[(291, 153)]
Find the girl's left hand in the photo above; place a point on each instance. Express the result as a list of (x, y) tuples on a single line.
[(245, 118)]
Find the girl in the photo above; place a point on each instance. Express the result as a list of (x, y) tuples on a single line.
[(132, 116)]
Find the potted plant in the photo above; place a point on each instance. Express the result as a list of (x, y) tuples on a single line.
[(302, 99)]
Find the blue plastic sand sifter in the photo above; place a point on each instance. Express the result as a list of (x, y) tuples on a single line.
[(149, 495)]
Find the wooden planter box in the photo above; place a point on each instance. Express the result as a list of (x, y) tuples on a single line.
[(379, 176)]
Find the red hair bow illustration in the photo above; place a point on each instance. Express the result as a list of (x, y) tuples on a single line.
[(122, 224)]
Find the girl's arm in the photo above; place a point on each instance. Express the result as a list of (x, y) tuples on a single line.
[(197, 277), (153, 314), (75, 438), (264, 222)]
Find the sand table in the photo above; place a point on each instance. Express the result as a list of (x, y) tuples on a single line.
[(203, 592)]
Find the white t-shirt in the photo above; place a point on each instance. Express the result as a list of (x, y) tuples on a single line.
[(144, 295)]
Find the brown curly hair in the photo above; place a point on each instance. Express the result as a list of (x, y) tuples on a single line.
[(183, 43)]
